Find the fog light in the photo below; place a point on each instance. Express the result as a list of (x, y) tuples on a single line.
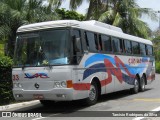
[(19, 95)]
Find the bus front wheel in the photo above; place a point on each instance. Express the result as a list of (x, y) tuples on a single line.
[(93, 94)]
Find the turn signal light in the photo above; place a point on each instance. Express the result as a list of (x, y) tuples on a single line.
[(69, 84)]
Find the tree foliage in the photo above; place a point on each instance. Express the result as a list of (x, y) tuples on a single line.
[(125, 14), (6, 95), (156, 43), (122, 13), (14, 13), (72, 15)]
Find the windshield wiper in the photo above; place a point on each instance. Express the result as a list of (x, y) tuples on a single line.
[(45, 60)]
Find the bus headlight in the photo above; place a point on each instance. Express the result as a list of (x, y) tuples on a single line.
[(59, 84), (17, 85), (63, 84)]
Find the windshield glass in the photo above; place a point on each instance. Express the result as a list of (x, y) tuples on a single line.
[(42, 48)]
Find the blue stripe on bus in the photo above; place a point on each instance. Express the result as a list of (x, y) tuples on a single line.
[(100, 67), (94, 69), (100, 58)]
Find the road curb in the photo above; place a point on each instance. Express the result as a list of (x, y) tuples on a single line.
[(16, 105)]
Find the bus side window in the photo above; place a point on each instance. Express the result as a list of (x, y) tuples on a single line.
[(127, 47), (121, 46), (91, 41), (135, 48), (106, 43), (100, 43), (76, 34), (77, 46), (96, 42), (116, 45), (142, 49), (87, 43), (149, 50)]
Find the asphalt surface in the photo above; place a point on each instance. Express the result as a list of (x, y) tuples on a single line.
[(119, 104)]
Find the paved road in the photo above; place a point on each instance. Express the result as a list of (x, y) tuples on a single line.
[(119, 101)]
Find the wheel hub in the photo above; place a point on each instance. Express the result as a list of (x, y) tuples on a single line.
[(92, 93)]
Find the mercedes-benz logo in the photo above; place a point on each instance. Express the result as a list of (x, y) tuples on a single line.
[(36, 85)]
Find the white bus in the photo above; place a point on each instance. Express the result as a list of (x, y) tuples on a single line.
[(70, 60)]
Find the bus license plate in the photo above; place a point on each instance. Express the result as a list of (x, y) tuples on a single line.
[(38, 96)]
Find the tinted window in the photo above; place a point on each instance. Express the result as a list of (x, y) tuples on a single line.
[(91, 40), (47, 47), (149, 50), (135, 48), (116, 45), (121, 45), (76, 34), (142, 49), (128, 47), (106, 43)]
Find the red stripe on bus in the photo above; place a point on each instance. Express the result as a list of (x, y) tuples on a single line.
[(116, 71), (81, 86)]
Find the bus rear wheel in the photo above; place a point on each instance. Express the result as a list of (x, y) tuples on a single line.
[(47, 102), (93, 94), (135, 89), (142, 84)]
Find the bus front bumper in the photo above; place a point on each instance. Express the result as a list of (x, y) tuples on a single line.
[(54, 94)]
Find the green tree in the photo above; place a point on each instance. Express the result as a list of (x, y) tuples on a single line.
[(66, 14), (95, 9), (125, 14), (11, 15), (156, 44)]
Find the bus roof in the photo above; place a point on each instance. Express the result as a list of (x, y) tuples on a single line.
[(91, 25)]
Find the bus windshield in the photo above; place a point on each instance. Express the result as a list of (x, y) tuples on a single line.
[(42, 48)]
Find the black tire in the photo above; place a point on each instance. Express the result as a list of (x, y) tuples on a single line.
[(142, 84), (47, 102), (135, 89), (93, 94)]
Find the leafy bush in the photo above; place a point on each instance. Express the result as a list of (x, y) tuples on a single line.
[(6, 95), (157, 66), (1, 49)]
